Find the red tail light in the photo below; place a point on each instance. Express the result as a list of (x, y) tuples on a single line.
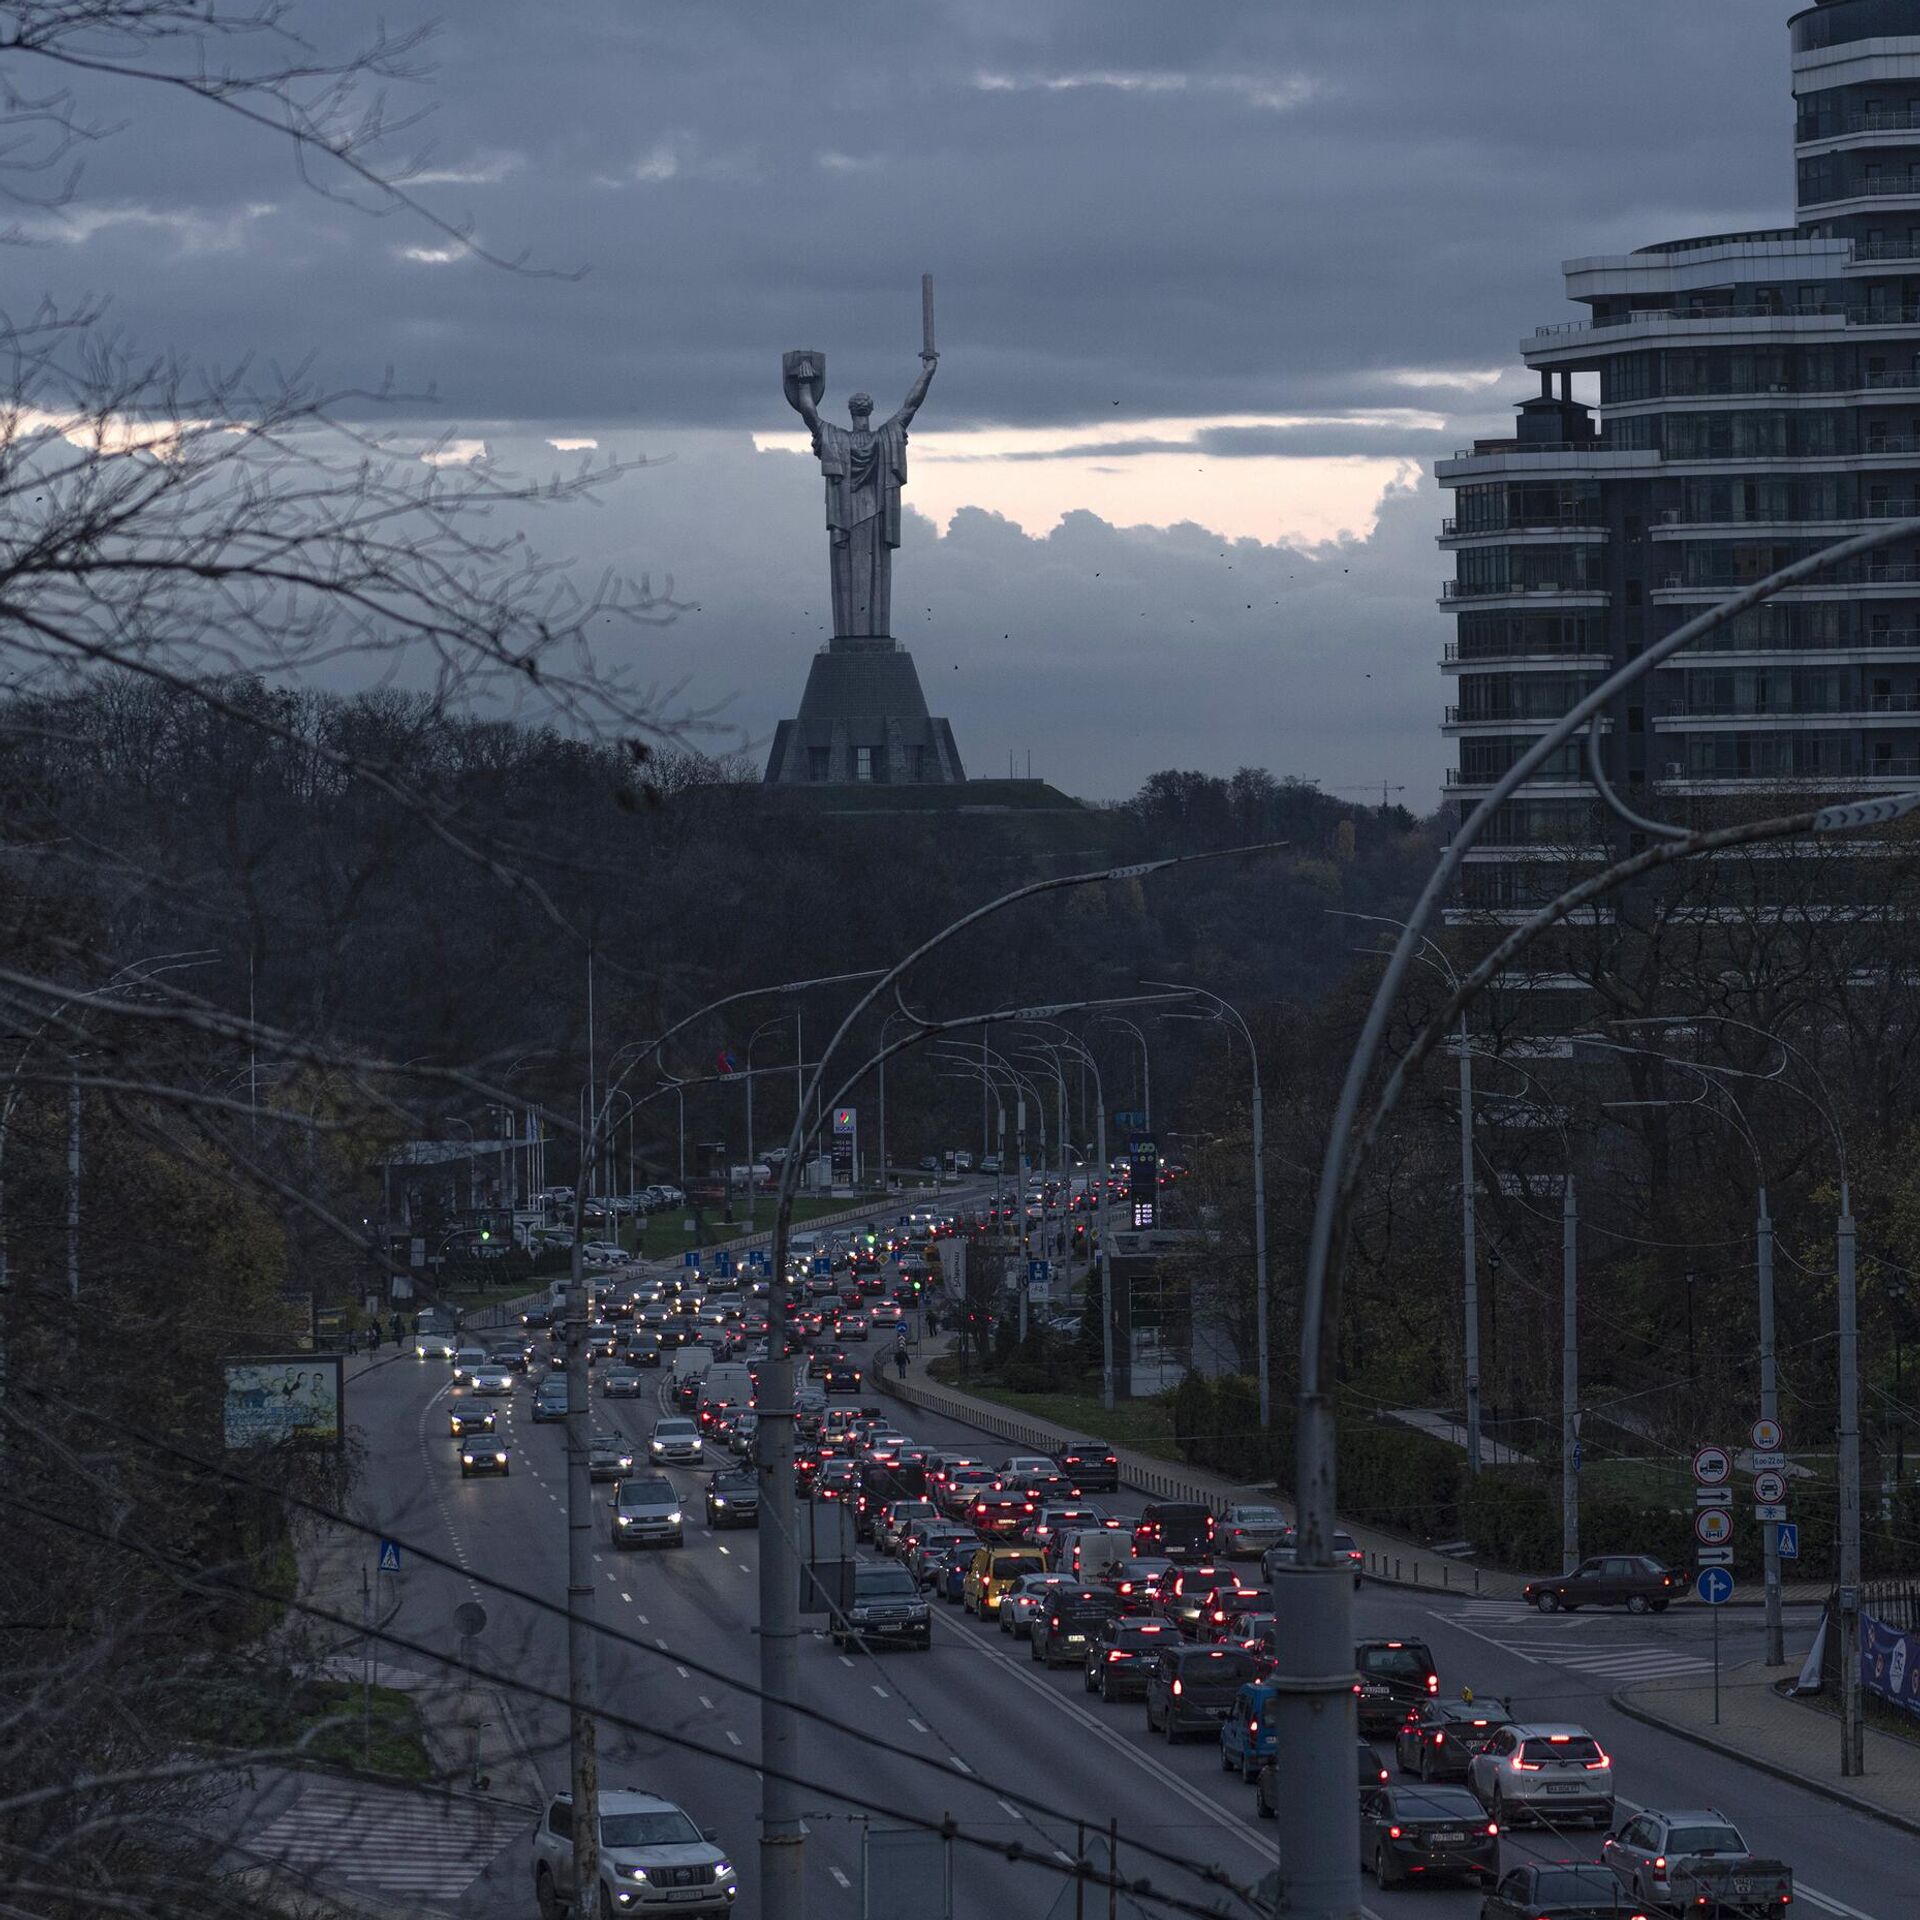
[(1393, 1833), (1433, 1683), (1115, 1657)]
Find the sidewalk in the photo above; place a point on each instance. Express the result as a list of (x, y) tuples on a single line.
[(1389, 1560), (1788, 1738)]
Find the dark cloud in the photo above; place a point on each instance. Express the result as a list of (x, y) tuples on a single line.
[(1137, 214)]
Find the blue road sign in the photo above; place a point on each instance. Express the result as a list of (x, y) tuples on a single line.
[(1037, 1271), (822, 1264), (389, 1556), (690, 1259), (1128, 1121), (1577, 1456), (1788, 1538), (1715, 1586)]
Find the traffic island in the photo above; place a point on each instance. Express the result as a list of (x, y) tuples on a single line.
[(1763, 1727)]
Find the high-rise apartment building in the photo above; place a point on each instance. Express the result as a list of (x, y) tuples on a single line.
[(1759, 398)]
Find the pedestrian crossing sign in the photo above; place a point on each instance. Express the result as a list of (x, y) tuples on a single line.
[(389, 1556), (1787, 1540)]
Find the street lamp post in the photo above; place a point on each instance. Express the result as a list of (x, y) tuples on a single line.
[(1224, 1009)]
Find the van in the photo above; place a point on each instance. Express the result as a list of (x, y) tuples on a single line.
[(723, 1385), (691, 1361), (1093, 1554), (802, 1247)]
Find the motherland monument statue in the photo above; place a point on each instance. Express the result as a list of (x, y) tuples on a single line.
[(863, 717)]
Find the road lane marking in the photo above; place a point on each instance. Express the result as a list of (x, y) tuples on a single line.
[(919, 1726), (734, 1737), (628, 1598), (958, 1762), (1012, 1810), (881, 1691), (844, 1661), (705, 1702), (838, 1875), (723, 1549)]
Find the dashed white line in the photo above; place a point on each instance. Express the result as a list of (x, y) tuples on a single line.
[(734, 1737), (881, 1691), (1012, 1810), (683, 1673), (707, 1703), (628, 1598), (919, 1726), (844, 1661), (723, 1549), (838, 1875), (958, 1762)]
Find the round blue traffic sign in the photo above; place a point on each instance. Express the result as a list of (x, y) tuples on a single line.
[(1714, 1586)]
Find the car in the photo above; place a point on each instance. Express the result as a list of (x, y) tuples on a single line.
[(646, 1509), (653, 1858), (1055, 1519), (465, 1423), (621, 1383), (1069, 1617), (733, 1499), (484, 1455), (1559, 1890), (641, 1348), (1629, 1580), (836, 1480), (853, 1326), (933, 1544), (742, 1433), (1183, 1593), (887, 1609), (1136, 1581), (1245, 1533), (609, 1456), (1091, 1465), (894, 1516), (1438, 1737), (1247, 1734), (674, 1438), (839, 1376), (1267, 1787), (1002, 1516), (993, 1569), (1177, 1529), (512, 1354), (466, 1361), (1394, 1675), (433, 1343), (550, 1399), (959, 1488), (1229, 1602), (950, 1572), (1022, 1601), (1191, 1689), (1432, 1833), (1344, 1547), (1544, 1771), (1121, 1654), (1693, 1860)]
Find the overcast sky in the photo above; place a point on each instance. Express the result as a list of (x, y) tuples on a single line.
[(1217, 282)]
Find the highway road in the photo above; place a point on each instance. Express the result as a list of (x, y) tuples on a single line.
[(1010, 1752)]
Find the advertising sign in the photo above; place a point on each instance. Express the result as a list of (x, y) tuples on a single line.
[(1890, 1663), (846, 1148), (280, 1401), (1143, 1186)]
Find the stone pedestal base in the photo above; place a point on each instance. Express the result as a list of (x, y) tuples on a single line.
[(863, 719)]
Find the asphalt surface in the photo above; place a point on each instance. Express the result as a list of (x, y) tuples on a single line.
[(980, 1727)]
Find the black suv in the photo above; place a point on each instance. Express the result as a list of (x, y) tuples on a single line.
[(1069, 1618), (1176, 1529), (1119, 1659), (733, 1499), (1439, 1737), (1192, 1689), (887, 1609), (1091, 1465), (1394, 1675)]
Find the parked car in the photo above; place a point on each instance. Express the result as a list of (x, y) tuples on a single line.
[(1629, 1580), (1433, 1832), (1549, 1772)]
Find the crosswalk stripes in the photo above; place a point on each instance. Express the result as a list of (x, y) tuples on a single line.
[(382, 1837), (1632, 1663)]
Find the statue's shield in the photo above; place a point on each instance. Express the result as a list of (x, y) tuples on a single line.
[(803, 371)]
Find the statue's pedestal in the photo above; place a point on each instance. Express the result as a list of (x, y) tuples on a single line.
[(863, 719)]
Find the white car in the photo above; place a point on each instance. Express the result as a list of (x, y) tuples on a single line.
[(466, 1362), (675, 1438), (490, 1377), (1021, 1603), (1245, 1533), (1553, 1773), (653, 1859)]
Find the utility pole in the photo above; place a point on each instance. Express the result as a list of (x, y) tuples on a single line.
[(583, 1762), (1260, 1240), (1769, 1410), (73, 1180), (1469, 1264), (1569, 1380), (1852, 1733), (783, 1893), (1106, 1261)]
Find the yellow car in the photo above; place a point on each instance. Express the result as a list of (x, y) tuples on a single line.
[(994, 1570)]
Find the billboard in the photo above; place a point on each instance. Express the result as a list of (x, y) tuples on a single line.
[(274, 1402), (1143, 1185), (846, 1147), (1890, 1663)]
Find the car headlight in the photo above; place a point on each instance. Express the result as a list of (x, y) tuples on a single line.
[(466, 1459), (722, 1867), (501, 1458), (719, 1499), (673, 1519), (623, 1519), (635, 1873)]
